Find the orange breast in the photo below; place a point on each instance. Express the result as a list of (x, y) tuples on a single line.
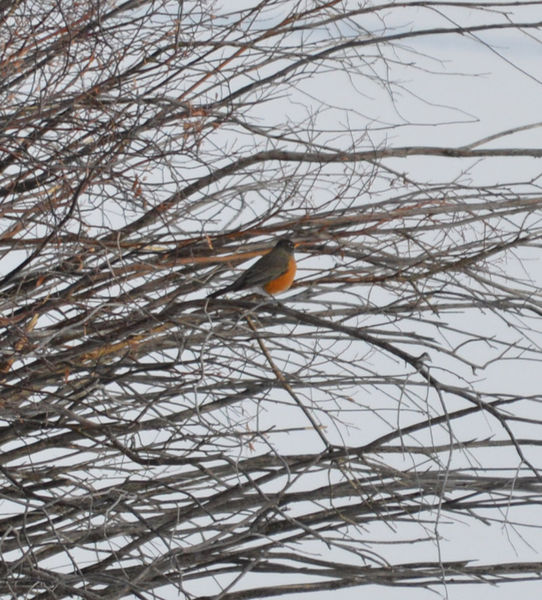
[(282, 283)]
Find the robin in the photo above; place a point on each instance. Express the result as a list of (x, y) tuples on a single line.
[(274, 271)]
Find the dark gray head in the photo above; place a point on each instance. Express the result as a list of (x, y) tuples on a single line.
[(285, 243)]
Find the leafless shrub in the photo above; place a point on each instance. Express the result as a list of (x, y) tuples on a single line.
[(153, 440)]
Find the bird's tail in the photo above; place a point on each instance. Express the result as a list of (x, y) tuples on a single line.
[(218, 293)]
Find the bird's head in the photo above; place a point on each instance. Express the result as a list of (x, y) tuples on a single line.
[(285, 243)]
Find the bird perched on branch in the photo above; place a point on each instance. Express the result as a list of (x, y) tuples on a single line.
[(274, 271)]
